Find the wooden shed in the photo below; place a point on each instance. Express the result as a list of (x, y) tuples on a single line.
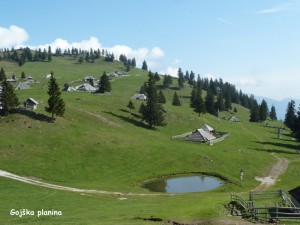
[(30, 103)]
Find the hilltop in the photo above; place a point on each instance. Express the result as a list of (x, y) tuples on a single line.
[(99, 145)]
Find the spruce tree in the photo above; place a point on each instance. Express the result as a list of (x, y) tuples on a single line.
[(133, 63), (130, 105), (180, 78), (273, 115), (210, 103), (156, 77), (228, 101), (167, 81), (8, 98), (199, 105), (144, 66), (153, 112), (56, 105), (290, 116), (23, 76), (104, 84), (162, 98), (263, 111), (2, 75), (176, 100), (128, 64), (254, 112), (49, 54), (220, 103)]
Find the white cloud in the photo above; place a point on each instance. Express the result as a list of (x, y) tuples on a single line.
[(176, 61), (12, 36), (16, 37), (277, 8), (156, 52), (64, 44), (170, 71)]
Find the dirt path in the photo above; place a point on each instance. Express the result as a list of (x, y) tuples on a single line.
[(64, 188), (277, 170)]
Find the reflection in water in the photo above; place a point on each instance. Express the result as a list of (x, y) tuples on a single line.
[(184, 184)]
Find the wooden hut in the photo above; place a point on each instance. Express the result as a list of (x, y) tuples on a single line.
[(200, 135)]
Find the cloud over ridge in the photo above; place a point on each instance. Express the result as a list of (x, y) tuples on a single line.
[(12, 36)]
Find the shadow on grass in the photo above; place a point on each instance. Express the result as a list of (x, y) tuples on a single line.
[(293, 148), (131, 120), (132, 114), (36, 116)]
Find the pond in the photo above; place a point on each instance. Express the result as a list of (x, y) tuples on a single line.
[(184, 184)]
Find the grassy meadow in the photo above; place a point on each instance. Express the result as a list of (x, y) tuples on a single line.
[(99, 145)]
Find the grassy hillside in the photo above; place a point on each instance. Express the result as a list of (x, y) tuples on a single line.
[(98, 145)]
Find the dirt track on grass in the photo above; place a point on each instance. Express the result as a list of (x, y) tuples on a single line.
[(276, 171), (64, 188)]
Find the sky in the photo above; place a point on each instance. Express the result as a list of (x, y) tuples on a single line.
[(252, 44)]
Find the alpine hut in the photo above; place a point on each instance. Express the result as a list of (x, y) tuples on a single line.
[(233, 119), (30, 103), (208, 129), (200, 135)]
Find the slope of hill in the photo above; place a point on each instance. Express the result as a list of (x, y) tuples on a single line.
[(98, 145)]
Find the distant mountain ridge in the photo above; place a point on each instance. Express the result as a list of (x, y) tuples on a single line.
[(280, 106)]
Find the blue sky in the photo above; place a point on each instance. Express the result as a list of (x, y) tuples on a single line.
[(253, 44)]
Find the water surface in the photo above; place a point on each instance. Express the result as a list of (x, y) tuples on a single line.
[(185, 184)]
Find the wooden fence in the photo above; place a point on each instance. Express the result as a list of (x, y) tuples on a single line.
[(268, 213)]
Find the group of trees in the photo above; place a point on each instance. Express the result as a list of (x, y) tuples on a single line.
[(292, 119), (25, 54), (128, 63), (260, 112)]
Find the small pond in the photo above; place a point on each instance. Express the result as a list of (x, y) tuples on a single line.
[(184, 184)]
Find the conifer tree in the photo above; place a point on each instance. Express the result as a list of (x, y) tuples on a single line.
[(180, 78), (273, 115), (156, 77), (176, 100), (144, 66), (49, 54), (8, 98), (56, 105), (2, 75), (23, 76), (290, 116), (133, 63), (199, 105), (263, 111), (131, 106), (210, 103), (220, 103), (162, 98), (167, 81), (104, 84), (128, 64), (228, 101), (153, 112), (254, 112)]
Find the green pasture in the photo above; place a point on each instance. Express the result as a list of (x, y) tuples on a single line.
[(99, 145)]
